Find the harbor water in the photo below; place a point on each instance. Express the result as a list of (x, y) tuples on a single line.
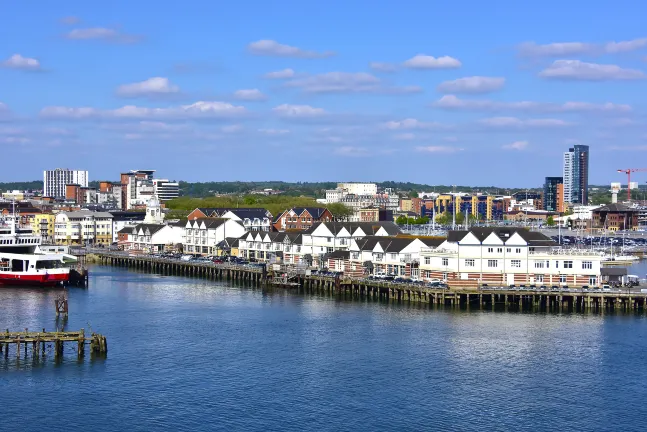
[(191, 355)]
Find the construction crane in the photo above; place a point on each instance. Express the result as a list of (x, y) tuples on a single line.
[(628, 172)]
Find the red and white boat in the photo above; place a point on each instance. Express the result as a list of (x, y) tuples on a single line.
[(22, 262)]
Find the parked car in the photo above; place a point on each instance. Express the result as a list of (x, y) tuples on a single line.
[(186, 257)]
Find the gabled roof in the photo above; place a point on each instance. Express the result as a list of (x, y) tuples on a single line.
[(533, 238), (126, 230), (368, 227), (315, 212), (127, 215), (152, 228), (615, 208)]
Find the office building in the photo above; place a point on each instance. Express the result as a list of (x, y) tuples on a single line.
[(576, 175), (554, 194), (54, 181), (166, 190)]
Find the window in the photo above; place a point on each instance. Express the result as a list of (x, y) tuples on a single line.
[(508, 250), (492, 263), (445, 261), (329, 239), (469, 263), (556, 264), (539, 264), (445, 276), (427, 260), (587, 265), (593, 280), (499, 250), (490, 250), (531, 249), (394, 256), (562, 278), (515, 263), (355, 255), (539, 278), (518, 250), (568, 264)]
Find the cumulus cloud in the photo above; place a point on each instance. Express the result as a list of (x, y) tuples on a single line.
[(452, 102), (102, 34), (516, 123), (197, 110), (298, 111), (282, 74), (475, 84), (274, 132), (412, 124), (579, 70), (273, 48), (17, 61), (249, 95), (156, 86), (438, 149), (347, 82), (517, 145), (422, 61), (560, 49), (383, 67)]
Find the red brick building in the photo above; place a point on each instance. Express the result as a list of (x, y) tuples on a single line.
[(301, 218)]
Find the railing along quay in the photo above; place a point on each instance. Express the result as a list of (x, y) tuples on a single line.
[(482, 297)]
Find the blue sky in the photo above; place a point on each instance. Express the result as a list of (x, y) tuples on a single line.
[(463, 92)]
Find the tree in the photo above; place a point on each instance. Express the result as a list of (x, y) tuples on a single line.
[(413, 194), (442, 219), (340, 211), (550, 221), (401, 220), (460, 218)]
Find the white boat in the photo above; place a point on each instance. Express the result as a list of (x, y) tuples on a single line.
[(611, 259), (22, 262)]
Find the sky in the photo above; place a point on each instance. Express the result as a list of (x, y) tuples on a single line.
[(461, 92)]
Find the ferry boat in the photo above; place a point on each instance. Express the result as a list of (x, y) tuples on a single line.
[(22, 262)]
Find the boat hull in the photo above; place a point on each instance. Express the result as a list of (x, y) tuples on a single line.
[(15, 279)]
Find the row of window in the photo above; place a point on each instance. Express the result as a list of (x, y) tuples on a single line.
[(586, 265), (20, 241), (500, 250), (492, 263)]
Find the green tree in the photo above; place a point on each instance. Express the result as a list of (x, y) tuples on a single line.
[(550, 221), (460, 218), (413, 194), (340, 211), (442, 218), (401, 220)]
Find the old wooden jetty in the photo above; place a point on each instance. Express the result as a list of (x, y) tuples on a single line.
[(37, 342), (478, 297)]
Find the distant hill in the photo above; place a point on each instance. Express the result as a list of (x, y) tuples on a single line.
[(28, 185)]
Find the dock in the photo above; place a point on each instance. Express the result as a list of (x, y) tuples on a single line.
[(482, 297), (36, 342)]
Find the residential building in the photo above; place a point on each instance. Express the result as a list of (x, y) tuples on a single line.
[(54, 181), (616, 217), (14, 195), (109, 195), (508, 256), (301, 218), (358, 188), (137, 188), (201, 236), (254, 219), (124, 219), (530, 216), (576, 174), (554, 194), (165, 189), (480, 206), (83, 227), (43, 225), (411, 205), (152, 238)]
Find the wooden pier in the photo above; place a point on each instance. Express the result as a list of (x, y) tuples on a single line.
[(481, 297), (37, 342)]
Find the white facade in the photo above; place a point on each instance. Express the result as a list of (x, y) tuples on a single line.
[(568, 177), (358, 188), (54, 181), (154, 238), (83, 226), (252, 223), (202, 235), (166, 190)]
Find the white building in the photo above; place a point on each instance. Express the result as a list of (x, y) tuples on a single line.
[(82, 227), (123, 219), (568, 177), (202, 235), (165, 189), (152, 238), (54, 181), (358, 188), (508, 256)]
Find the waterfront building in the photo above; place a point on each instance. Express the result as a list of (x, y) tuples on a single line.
[(576, 174), (152, 238), (83, 227), (616, 217), (123, 219), (201, 236), (508, 256), (54, 181), (137, 188), (43, 225), (479, 206), (254, 219), (301, 218), (554, 194)]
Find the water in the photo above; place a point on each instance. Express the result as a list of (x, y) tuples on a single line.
[(188, 354)]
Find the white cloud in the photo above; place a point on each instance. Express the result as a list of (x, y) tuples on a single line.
[(438, 149), (475, 84), (516, 123), (422, 61), (101, 33), (351, 151), (452, 102), (346, 82), (249, 95), (59, 131), (274, 132), (579, 70), (17, 61), (411, 124), (14, 140), (517, 145), (560, 49), (273, 48), (70, 20), (383, 67), (201, 109), (407, 136), (298, 111), (282, 74), (156, 86)]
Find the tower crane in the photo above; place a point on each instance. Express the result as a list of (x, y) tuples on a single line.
[(628, 171)]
